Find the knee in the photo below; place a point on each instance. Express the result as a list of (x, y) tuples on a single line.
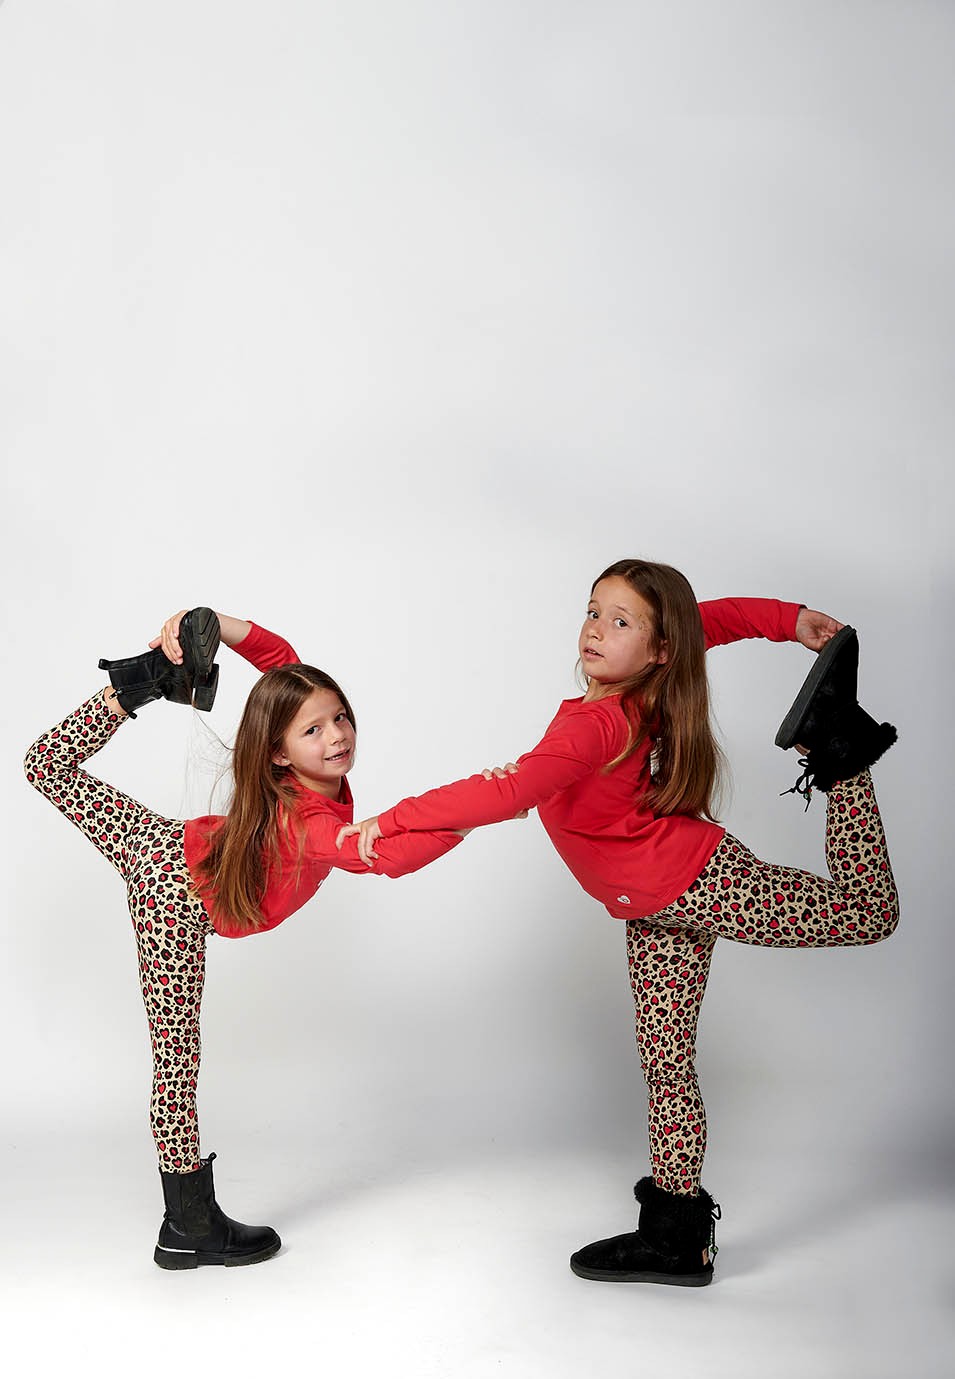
[(670, 1082), (35, 766), (889, 912)]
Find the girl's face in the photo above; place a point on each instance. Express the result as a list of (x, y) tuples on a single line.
[(319, 744), (616, 641)]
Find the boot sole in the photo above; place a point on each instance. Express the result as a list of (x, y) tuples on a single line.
[(699, 1280), (199, 639), (191, 1259), (788, 734)]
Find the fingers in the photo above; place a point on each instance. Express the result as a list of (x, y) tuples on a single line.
[(825, 628), (366, 850), (169, 638), (367, 833), (815, 629), (499, 772)]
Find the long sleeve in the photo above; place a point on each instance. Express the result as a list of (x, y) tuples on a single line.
[(396, 856), (733, 620), (577, 746), (265, 649)]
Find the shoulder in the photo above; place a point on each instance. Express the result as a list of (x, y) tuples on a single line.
[(595, 718), (317, 811)]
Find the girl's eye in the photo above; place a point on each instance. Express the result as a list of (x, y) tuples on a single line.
[(620, 622), (591, 613), (340, 716), (311, 730)]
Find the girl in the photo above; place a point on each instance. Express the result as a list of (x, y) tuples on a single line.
[(624, 782), (233, 876)]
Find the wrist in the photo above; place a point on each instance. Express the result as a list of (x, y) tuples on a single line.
[(233, 630)]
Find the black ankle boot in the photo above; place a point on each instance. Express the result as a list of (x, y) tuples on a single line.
[(196, 1231), (140, 679), (826, 718), (199, 639), (667, 1247)]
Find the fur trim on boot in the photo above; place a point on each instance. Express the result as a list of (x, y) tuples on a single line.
[(674, 1242), (840, 738)]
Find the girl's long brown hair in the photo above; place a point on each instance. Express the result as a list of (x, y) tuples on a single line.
[(670, 703), (244, 850)]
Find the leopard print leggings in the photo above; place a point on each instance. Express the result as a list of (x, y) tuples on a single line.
[(169, 920), (738, 897)]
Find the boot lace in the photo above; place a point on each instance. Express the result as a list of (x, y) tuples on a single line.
[(803, 784)]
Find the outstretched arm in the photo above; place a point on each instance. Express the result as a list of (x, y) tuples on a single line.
[(398, 856), (369, 830), (576, 747), (732, 620)]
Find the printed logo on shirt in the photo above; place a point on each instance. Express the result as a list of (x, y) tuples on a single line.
[(623, 900)]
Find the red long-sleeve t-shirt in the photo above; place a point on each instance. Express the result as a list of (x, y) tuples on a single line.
[(633, 861), (289, 887)]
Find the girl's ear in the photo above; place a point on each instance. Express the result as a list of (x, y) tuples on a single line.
[(663, 655), (279, 759)]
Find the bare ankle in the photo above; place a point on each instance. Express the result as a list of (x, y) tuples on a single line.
[(111, 700)]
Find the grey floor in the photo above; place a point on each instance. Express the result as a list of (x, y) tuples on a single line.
[(456, 1265)]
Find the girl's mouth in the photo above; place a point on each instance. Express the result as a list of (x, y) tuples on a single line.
[(339, 756)]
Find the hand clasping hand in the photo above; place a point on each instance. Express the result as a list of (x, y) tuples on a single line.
[(510, 769), (368, 833)]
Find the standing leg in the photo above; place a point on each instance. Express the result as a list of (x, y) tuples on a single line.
[(668, 972), (674, 1242), (170, 924)]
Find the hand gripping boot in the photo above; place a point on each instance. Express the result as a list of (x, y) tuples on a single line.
[(827, 720), (138, 680)]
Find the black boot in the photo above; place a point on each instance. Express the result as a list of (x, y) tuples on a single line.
[(196, 1231), (199, 639), (826, 718), (667, 1247), (140, 679)]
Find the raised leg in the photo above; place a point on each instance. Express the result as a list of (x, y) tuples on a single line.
[(740, 897)]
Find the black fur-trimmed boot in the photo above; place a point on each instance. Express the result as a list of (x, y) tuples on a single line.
[(195, 1230), (139, 680), (674, 1243), (840, 738)]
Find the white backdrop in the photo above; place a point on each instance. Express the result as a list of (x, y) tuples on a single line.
[(389, 326)]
